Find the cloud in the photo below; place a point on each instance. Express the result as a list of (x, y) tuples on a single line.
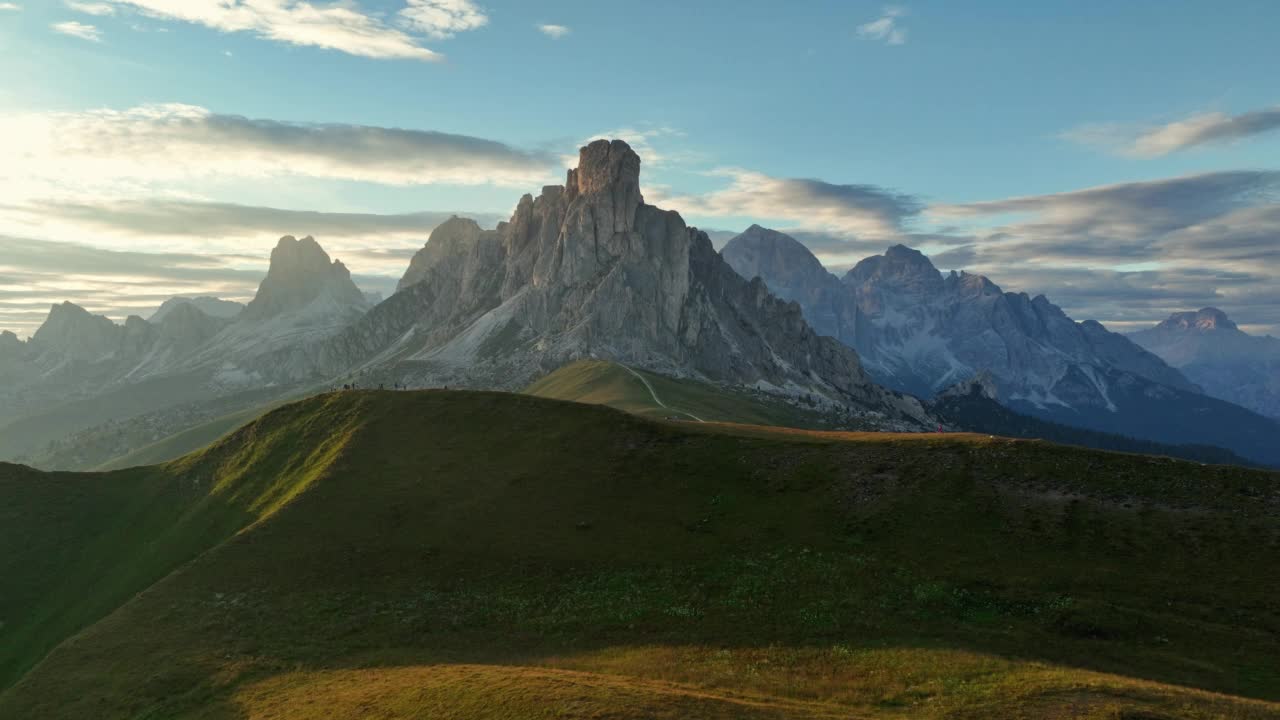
[(340, 26), (193, 219), (554, 31), (443, 19), (887, 27), (1123, 223), (156, 143), (1160, 140), (78, 29), (91, 8), (863, 210), (1132, 253), (10, 6)]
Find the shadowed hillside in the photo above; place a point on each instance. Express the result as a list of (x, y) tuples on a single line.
[(458, 554)]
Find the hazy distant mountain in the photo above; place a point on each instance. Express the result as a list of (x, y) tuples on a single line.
[(1223, 359), (588, 270), (80, 370), (211, 306), (920, 331)]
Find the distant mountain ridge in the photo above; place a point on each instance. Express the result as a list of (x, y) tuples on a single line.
[(1223, 359), (919, 331), (78, 365)]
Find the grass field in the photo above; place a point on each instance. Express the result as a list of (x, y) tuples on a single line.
[(602, 382), (483, 555)]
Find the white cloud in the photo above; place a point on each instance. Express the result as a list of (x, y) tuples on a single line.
[(442, 18), (91, 8), (1159, 140), (10, 6), (554, 31), (340, 26), (887, 27), (78, 29), (157, 145), (866, 211)]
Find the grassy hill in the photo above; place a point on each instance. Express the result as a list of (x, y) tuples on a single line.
[(652, 395), (458, 554)]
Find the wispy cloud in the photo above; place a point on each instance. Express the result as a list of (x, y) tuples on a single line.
[(10, 6), (78, 29), (1197, 130), (340, 26), (443, 19), (1131, 253), (172, 142), (554, 31), (91, 8), (887, 28), (867, 211)]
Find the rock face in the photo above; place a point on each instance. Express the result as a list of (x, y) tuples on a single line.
[(300, 276), (1223, 359), (589, 270), (921, 332)]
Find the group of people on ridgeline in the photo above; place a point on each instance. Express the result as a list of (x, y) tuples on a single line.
[(381, 386)]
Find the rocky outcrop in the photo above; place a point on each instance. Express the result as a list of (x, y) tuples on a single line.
[(302, 275), (1213, 352), (589, 270)]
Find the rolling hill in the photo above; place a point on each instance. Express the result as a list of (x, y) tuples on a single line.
[(465, 554)]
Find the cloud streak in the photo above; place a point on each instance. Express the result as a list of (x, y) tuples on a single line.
[(78, 30), (554, 32), (868, 211), (339, 26), (887, 28), (1192, 132), (174, 142), (91, 8), (442, 19)]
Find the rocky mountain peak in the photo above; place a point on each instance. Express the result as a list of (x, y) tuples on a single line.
[(300, 273), (1203, 320), (900, 268), (76, 332), (611, 170), (773, 255)]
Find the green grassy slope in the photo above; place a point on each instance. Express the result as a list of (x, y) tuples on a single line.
[(601, 382), (78, 545), (456, 554)]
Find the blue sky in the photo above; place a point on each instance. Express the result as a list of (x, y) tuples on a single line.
[(984, 124)]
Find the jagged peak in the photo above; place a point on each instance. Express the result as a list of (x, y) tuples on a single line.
[(301, 271), (899, 265)]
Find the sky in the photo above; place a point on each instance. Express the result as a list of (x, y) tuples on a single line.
[(1121, 158)]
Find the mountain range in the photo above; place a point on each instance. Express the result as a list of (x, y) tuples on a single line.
[(920, 331), (588, 270), (1213, 352)]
